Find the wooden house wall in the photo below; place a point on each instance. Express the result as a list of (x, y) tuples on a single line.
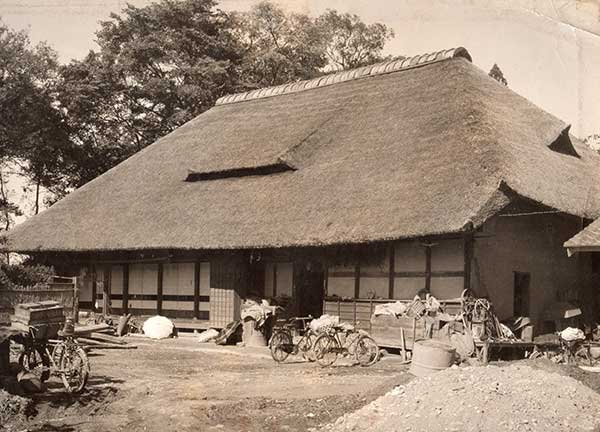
[(405, 269), (279, 279)]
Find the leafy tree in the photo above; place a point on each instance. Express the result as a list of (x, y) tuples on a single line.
[(32, 130), (161, 65), (281, 48), (593, 141), (158, 67), (349, 42), (497, 74), (278, 47)]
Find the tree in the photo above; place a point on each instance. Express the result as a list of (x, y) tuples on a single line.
[(350, 43), (278, 47), (281, 48), (158, 67), (593, 141), (161, 65), (497, 74), (32, 130)]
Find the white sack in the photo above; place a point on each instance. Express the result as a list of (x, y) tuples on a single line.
[(571, 334), (324, 321), (158, 327)]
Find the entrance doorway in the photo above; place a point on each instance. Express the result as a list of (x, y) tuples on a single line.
[(309, 288), (521, 294)]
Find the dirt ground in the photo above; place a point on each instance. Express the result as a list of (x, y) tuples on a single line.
[(183, 385)]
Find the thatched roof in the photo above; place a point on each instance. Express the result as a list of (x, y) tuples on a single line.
[(404, 149), (587, 240)]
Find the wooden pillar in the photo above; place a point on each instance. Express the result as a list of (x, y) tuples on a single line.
[(159, 289), (392, 270), (274, 279), (106, 291), (357, 281), (125, 288), (428, 268), (76, 290), (468, 247), (197, 289), (94, 287)]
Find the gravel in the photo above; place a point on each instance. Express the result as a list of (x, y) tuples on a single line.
[(13, 408), (498, 398)]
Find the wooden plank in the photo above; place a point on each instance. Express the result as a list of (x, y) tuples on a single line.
[(342, 274), (410, 274), (94, 344), (107, 338), (80, 330)]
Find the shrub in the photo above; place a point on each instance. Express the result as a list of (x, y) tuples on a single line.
[(24, 276)]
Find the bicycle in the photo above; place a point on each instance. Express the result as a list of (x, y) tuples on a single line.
[(358, 344), (282, 343), (67, 358), (561, 351)]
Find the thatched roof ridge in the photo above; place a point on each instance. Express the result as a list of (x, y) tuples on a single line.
[(429, 150), (386, 67)]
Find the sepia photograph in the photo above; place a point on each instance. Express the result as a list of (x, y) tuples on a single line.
[(299, 215)]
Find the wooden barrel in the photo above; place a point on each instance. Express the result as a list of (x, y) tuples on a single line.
[(430, 356)]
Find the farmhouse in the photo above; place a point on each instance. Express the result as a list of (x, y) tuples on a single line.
[(409, 176)]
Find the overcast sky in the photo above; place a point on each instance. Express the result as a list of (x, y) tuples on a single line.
[(548, 50)]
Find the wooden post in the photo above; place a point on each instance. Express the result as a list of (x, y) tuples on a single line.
[(197, 289), (76, 291), (428, 268), (370, 315), (159, 289), (125, 308), (403, 344), (468, 247), (357, 281), (392, 269), (94, 288), (274, 279), (106, 291)]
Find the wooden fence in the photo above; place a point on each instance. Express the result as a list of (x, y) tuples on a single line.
[(61, 290)]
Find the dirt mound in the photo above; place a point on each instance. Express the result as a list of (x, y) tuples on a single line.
[(504, 398), (590, 379), (13, 408)]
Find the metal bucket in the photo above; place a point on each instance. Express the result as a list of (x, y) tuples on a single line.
[(430, 356)]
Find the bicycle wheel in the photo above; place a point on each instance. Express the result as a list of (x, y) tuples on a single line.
[(281, 344), (74, 368), (36, 361), (306, 346), (326, 349), (366, 351)]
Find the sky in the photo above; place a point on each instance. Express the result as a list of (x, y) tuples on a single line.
[(549, 50)]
